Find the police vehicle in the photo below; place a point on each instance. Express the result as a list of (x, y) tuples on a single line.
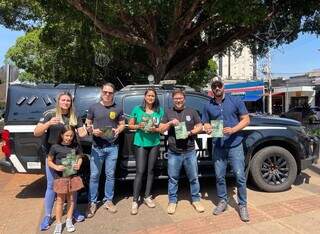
[(276, 149)]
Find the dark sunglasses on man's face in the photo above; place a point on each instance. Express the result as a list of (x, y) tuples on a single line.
[(217, 85)]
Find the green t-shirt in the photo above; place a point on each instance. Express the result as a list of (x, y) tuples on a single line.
[(143, 137)]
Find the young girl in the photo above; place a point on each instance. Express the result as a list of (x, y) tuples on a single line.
[(62, 156)]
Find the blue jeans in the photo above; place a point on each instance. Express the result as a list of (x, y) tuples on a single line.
[(50, 195), (235, 155), (175, 163), (107, 155)]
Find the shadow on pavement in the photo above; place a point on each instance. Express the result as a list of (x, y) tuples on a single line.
[(302, 178), (33, 190)]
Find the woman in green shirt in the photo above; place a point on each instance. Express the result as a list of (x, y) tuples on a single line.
[(145, 120)]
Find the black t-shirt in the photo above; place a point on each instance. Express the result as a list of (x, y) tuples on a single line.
[(191, 118), (52, 134), (103, 116), (60, 151)]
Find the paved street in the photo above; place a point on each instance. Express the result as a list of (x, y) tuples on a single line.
[(293, 211)]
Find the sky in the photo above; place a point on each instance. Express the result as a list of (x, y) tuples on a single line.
[(7, 39), (298, 57)]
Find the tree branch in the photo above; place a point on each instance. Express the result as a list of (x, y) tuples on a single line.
[(217, 45), (196, 30), (119, 33), (179, 23)]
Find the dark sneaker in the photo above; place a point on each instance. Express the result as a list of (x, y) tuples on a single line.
[(244, 214), (77, 216), (45, 223), (110, 207), (91, 210), (221, 207)]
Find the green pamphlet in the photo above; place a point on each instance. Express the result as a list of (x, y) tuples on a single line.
[(217, 128), (148, 123), (107, 132), (181, 131), (68, 163)]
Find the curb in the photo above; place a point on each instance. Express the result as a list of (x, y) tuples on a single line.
[(315, 168)]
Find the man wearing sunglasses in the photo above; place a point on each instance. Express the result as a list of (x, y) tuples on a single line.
[(223, 117), (105, 122)]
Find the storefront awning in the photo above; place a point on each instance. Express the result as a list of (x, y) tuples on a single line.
[(251, 98), (249, 91)]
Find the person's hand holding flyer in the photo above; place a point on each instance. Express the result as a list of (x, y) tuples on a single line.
[(217, 128)]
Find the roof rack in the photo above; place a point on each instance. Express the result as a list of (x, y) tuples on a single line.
[(157, 87)]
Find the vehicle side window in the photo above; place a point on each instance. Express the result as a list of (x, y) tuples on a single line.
[(129, 102), (195, 102)]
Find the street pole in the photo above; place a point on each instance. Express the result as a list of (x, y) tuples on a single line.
[(269, 83), (7, 80)]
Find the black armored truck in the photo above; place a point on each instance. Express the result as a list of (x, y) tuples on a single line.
[(276, 149)]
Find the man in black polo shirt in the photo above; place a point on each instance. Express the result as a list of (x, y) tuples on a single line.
[(182, 124), (105, 122), (228, 115)]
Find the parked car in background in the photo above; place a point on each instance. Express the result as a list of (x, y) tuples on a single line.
[(276, 149), (304, 114)]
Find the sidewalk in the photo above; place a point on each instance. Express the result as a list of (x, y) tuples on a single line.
[(293, 211)]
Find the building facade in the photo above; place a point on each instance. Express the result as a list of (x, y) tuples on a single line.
[(241, 67)]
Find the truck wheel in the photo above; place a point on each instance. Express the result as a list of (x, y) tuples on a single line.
[(273, 169)]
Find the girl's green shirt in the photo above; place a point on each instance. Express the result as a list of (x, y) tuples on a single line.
[(145, 138)]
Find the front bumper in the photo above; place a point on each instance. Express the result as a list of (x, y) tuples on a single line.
[(6, 165), (313, 156)]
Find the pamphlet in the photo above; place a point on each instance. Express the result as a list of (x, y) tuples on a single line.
[(68, 163), (217, 128), (107, 132), (181, 131), (148, 123)]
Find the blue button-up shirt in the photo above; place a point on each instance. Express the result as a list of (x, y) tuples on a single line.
[(229, 111)]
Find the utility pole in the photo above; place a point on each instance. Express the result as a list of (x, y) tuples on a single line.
[(7, 80), (267, 72), (269, 83)]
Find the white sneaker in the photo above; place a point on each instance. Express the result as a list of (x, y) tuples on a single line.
[(69, 226), (58, 228), (149, 202), (134, 208)]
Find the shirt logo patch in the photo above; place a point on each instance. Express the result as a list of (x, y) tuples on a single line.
[(42, 119), (188, 118), (112, 115)]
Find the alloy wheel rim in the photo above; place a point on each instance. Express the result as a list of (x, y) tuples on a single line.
[(275, 170)]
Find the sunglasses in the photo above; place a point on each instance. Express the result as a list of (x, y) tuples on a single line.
[(217, 85)]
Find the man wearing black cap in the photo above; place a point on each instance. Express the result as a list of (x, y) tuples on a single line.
[(223, 117)]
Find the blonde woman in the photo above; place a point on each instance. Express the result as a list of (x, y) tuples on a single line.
[(50, 125)]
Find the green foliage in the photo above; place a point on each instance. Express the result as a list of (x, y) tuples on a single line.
[(198, 79), (171, 39), (315, 132)]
